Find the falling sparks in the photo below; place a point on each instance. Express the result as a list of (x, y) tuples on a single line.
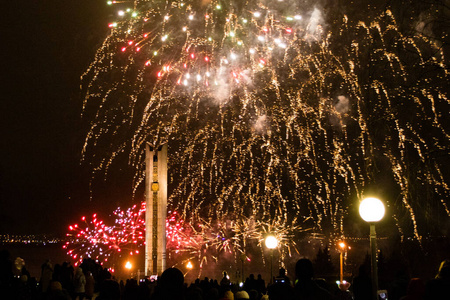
[(271, 113)]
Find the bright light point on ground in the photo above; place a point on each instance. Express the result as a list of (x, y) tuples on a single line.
[(155, 53), (134, 14), (231, 33), (271, 242), (233, 56), (164, 38), (289, 18), (218, 6), (252, 51), (109, 2), (189, 265), (166, 18), (239, 43), (121, 13), (261, 38), (199, 77), (128, 265), (244, 21), (297, 17), (184, 28), (185, 82), (371, 210), (257, 14), (191, 17)]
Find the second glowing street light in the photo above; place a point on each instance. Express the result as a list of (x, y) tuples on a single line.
[(342, 247), (271, 243)]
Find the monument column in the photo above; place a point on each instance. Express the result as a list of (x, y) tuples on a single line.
[(156, 209)]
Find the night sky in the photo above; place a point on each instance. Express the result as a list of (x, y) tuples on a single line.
[(46, 46)]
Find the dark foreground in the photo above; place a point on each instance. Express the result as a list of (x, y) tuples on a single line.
[(91, 281)]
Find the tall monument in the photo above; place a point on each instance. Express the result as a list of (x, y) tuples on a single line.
[(156, 209)]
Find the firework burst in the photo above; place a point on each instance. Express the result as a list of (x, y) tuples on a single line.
[(91, 239), (274, 110)]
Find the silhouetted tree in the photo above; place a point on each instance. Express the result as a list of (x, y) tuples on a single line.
[(322, 263)]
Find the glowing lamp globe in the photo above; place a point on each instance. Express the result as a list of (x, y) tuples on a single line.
[(371, 210), (271, 242)]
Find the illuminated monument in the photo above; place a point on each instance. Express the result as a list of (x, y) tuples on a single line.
[(156, 209)]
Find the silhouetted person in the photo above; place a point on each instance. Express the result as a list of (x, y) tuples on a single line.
[(57, 292), (90, 286), (46, 275), (415, 290), (109, 290), (439, 287), (225, 282), (250, 283), (260, 284), (282, 277), (79, 284), (6, 274), (131, 290), (170, 285), (305, 287)]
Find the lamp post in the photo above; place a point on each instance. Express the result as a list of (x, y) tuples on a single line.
[(243, 256), (342, 247), (271, 243), (129, 266), (372, 210)]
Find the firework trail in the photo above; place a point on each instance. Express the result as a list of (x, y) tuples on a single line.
[(274, 110)]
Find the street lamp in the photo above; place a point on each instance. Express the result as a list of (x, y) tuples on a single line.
[(243, 256), (271, 243), (129, 266), (342, 247), (372, 210)]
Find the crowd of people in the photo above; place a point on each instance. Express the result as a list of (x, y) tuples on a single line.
[(91, 281)]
